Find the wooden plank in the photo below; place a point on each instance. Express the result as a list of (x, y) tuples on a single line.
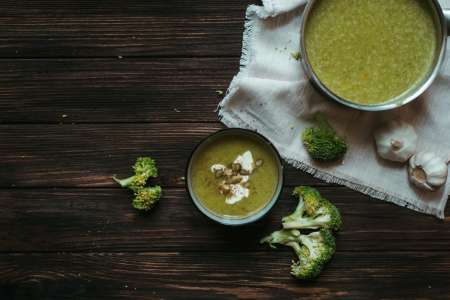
[(88, 155), (112, 90), (174, 275), (132, 28), (36, 220), (116, 7)]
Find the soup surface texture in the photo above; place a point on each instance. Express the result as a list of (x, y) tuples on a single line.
[(370, 51), (262, 182)]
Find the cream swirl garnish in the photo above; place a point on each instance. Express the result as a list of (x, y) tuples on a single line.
[(234, 182)]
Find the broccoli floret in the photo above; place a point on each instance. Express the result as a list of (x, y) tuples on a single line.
[(312, 212), (313, 250), (144, 168), (316, 250), (146, 198), (322, 142)]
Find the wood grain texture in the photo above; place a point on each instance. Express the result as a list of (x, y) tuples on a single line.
[(88, 86), (47, 220), (112, 28), (175, 275), (88, 155), (113, 90)]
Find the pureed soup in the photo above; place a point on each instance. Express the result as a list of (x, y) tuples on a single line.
[(234, 176), (371, 51)]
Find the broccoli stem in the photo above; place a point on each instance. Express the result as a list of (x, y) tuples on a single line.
[(124, 182), (308, 223)]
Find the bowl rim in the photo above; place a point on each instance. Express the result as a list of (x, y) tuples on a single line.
[(259, 214)]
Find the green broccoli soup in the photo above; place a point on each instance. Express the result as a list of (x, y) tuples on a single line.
[(234, 176), (371, 51)]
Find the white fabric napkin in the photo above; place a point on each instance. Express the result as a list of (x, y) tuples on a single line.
[(271, 95)]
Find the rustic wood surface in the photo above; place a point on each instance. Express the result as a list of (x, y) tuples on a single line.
[(86, 87)]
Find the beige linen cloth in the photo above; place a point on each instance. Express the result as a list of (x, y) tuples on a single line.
[(271, 95)]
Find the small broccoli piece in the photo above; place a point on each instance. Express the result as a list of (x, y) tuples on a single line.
[(316, 250), (296, 55), (313, 250), (144, 168), (312, 212), (144, 197), (147, 197), (322, 142)]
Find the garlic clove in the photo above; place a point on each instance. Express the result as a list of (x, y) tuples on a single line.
[(418, 177), (427, 171), (434, 181), (396, 141), (435, 167), (425, 159)]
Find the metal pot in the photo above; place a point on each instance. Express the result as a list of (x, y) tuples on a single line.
[(442, 19)]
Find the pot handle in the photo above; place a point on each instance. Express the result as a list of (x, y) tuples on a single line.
[(447, 18)]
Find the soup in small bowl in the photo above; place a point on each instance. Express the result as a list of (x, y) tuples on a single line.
[(235, 176)]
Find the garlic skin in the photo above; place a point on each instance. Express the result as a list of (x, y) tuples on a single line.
[(427, 171), (396, 141)]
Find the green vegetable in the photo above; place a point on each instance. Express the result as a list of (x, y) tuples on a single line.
[(144, 197), (322, 142), (296, 55), (312, 212), (144, 168), (313, 250)]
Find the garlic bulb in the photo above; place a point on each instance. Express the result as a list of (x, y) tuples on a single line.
[(396, 141), (427, 171)]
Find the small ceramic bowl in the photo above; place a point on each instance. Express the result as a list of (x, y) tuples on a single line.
[(235, 221)]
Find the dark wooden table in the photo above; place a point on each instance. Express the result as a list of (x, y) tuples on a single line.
[(86, 87)]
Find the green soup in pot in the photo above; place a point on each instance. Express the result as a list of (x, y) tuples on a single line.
[(371, 51), (262, 182)]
